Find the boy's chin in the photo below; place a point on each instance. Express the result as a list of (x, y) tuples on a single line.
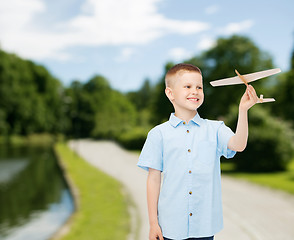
[(195, 106), (192, 109)]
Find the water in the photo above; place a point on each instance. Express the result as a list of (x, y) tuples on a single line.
[(34, 199)]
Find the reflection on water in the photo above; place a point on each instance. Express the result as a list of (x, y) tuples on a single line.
[(10, 168), (34, 200)]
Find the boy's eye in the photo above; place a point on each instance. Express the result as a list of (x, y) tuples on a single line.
[(188, 86)]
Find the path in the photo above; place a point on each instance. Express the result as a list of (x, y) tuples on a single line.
[(121, 165), (250, 212)]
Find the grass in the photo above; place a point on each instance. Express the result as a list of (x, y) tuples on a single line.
[(278, 180), (102, 212)]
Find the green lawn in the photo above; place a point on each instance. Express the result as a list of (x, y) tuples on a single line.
[(278, 180), (102, 212)]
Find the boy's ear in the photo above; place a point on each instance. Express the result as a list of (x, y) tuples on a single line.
[(169, 93)]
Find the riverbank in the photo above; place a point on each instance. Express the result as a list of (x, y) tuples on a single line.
[(119, 163), (102, 212)]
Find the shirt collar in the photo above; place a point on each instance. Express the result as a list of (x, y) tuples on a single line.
[(175, 121)]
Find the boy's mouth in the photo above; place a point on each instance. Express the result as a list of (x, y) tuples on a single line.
[(193, 99)]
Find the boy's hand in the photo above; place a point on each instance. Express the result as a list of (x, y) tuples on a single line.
[(248, 99), (155, 232)]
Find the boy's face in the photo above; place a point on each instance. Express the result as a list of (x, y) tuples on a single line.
[(186, 94)]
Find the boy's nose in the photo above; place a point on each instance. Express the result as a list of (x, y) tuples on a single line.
[(194, 91)]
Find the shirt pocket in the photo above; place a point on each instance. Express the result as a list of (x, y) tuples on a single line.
[(206, 152)]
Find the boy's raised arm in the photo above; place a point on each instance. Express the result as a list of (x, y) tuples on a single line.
[(238, 142), (153, 189)]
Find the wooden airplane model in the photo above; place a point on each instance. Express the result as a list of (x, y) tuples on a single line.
[(246, 79)]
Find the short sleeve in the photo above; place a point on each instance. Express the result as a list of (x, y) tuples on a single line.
[(151, 155), (223, 136)]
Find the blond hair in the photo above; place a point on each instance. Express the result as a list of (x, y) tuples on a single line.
[(172, 73)]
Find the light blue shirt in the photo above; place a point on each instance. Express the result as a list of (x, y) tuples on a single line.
[(188, 154)]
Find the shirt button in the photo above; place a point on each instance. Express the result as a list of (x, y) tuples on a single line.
[(190, 171), (188, 131), (190, 214), (190, 193), (189, 150), (184, 123)]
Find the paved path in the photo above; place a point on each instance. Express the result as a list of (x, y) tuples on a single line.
[(250, 212)]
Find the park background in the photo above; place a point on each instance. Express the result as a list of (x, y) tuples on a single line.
[(79, 75)]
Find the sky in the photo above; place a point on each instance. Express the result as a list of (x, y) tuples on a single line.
[(129, 41)]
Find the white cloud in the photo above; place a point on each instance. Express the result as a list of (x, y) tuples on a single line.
[(125, 54), (103, 22), (179, 54), (237, 27), (206, 43), (15, 14), (211, 9), (19, 34)]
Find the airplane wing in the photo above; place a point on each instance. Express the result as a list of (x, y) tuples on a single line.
[(264, 100), (248, 77)]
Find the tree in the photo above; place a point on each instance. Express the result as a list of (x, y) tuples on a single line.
[(284, 94), (30, 97), (75, 95), (160, 106), (114, 117), (141, 98), (236, 52), (99, 111), (270, 144)]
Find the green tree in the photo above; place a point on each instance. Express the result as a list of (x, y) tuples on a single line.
[(283, 92), (141, 98), (96, 94), (85, 100), (99, 111), (74, 95), (236, 52), (160, 106), (270, 144), (30, 96), (115, 116), (48, 110)]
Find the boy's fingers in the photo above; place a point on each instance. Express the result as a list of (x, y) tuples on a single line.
[(252, 93), (252, 90), (160, 237)]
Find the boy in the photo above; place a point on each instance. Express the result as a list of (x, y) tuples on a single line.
[(187, 149)]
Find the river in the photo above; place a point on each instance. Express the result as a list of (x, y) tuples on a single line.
[(34, 198)]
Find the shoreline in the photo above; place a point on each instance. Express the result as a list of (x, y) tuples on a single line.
[(65, 227), (102, 205)]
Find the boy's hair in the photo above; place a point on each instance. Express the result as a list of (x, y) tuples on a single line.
[(178, 68)]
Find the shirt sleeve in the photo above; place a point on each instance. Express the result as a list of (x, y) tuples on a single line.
[(223, 136), (151, 155)]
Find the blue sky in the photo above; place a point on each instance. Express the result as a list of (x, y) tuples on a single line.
[(128, 41)]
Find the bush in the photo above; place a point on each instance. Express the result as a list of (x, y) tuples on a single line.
[(134, 139), (270, 144)]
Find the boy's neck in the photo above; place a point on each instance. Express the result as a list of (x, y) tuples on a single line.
[(185, 116)]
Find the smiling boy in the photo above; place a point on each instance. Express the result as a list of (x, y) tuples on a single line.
[(187, 150)]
